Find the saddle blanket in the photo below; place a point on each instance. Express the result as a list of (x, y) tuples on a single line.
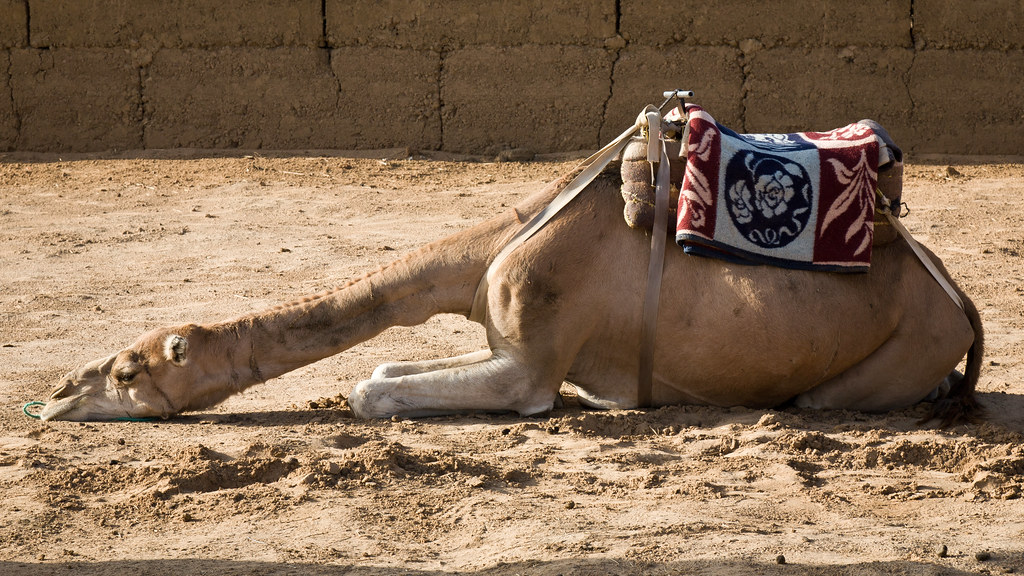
[(803, 200)]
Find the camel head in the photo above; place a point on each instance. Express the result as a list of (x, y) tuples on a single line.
[(150, 378)]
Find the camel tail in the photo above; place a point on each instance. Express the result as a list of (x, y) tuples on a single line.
[(960, 405)]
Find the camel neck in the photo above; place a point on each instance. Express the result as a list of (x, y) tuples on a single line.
[(439, 278)]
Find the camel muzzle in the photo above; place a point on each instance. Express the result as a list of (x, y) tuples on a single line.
[(81, 394), (59, 406)]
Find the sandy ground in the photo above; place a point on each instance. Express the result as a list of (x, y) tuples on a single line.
[(283, 480)]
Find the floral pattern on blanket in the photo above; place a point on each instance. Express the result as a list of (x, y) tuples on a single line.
[(802, 200)]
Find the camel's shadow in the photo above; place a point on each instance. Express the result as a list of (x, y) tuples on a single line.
[(1002, 412)]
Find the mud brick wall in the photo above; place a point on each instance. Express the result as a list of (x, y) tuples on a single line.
[(479, 76)]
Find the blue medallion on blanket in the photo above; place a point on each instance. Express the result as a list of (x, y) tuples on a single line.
[(803, 200)]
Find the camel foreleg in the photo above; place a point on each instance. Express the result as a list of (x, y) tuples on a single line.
[(395, 369), (477, 382)]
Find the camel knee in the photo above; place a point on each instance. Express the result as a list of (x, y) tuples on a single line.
[(369, 401)]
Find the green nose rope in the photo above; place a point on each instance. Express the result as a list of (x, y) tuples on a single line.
[(30, 405), (30, 414)]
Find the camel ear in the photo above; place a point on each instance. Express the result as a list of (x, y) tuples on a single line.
[(175, 349)]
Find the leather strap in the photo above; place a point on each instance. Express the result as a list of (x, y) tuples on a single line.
[(884, 206), (928, 264), (592, 166), (655, 268)]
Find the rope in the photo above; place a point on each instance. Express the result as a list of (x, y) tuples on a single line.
[(30, 405), (33, 404)]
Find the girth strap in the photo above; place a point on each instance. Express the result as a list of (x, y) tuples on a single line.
[(655, 268)]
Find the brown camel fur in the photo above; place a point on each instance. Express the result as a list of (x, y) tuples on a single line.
[(566, 307)]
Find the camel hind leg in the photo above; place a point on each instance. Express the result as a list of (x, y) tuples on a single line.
[(905, 370), (917, 363), (478, 382)]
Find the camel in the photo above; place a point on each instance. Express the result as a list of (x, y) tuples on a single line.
[(565, 307)]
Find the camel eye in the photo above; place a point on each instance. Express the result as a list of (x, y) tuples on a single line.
[(125, 377), (126, 372)]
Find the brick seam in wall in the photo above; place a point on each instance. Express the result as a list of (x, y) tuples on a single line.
[(912, 105), (323, 26), (611, 93), (142, 63), (326, 46), (913, 39), (442, 56), (611, 79), (143, 115), (912, 110), (10, 94), (15, 112), (745, 66), (914, 49)]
